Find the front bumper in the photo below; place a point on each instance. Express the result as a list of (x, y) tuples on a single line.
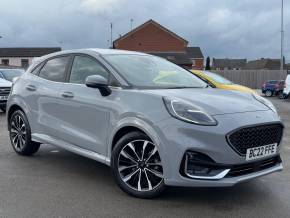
[(178, 137), (3, 103), (224, 182)]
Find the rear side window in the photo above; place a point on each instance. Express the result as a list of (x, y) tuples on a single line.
[(55, 69), (85, 66)]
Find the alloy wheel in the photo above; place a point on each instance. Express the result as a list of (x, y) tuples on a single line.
[(268, 93), (139, 165), (18, 132)]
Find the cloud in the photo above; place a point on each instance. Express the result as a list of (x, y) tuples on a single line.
[(100, 6), (223, 28)]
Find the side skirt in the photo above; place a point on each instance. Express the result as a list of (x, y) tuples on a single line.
[(42, 138)]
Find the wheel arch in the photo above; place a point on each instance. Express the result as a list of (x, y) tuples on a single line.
[(16, 102), (133, 124), (11, 110)]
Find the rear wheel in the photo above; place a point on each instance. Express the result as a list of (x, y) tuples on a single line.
[(137, 167), (20, 135), (268, 93)]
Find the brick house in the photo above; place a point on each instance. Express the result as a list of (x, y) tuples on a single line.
[(22, 57), (155, 39)]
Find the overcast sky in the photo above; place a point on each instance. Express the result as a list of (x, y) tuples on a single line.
[(222, 28)]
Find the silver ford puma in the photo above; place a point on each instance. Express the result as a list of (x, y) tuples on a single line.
[(154, 123)]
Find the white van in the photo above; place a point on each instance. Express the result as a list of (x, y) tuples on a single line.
[(286, 91)]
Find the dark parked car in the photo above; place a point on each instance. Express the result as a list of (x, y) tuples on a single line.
[(273, 87)]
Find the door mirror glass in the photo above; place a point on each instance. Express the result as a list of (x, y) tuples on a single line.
[(98, 82)]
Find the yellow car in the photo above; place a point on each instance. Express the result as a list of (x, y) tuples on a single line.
[(220, 82)]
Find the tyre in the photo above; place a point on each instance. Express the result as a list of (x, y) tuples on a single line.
[(20, 135), (137, 166), (281, 95), (268, 93)]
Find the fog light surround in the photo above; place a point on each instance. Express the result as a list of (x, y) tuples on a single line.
[(200, 166)]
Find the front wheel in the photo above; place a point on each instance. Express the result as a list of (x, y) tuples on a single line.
[(20, 135), (137, 166)]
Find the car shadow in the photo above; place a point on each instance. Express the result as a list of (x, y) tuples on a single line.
[(86, 169)]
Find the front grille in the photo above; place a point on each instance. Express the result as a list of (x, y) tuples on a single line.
[(249, 137), (5, 90), (240, 170)]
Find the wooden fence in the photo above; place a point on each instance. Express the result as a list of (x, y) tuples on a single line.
[(252, 78)]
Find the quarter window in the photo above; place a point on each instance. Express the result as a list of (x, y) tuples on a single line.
[(36, 69), (85, 66), (55, 69)]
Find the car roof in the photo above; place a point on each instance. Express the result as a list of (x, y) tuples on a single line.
[(98, 51), (114, 51)]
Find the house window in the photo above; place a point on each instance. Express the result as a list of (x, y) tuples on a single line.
[(5, 62), (193, 62), (24, 63)]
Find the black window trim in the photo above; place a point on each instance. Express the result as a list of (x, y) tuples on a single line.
[(35, 67), (111, 77)]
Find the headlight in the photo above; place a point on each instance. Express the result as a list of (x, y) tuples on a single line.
[(188, 112), (265, 102)]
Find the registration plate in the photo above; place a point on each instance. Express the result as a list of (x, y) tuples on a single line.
[(3, 98), (260, 152)]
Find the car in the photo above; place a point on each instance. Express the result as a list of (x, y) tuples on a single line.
[(286, 91), (10, 74), (272, 87), (5, 87), (217, 81), (107, 105)]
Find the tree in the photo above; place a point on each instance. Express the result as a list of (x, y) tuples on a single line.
[(207, 66)]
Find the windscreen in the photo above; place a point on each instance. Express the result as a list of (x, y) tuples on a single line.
[(153, 72)]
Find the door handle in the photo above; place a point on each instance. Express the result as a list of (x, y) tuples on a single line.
[(67, 95), (31, 88)]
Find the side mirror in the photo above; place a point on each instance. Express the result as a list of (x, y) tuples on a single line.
[(98, 82)]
